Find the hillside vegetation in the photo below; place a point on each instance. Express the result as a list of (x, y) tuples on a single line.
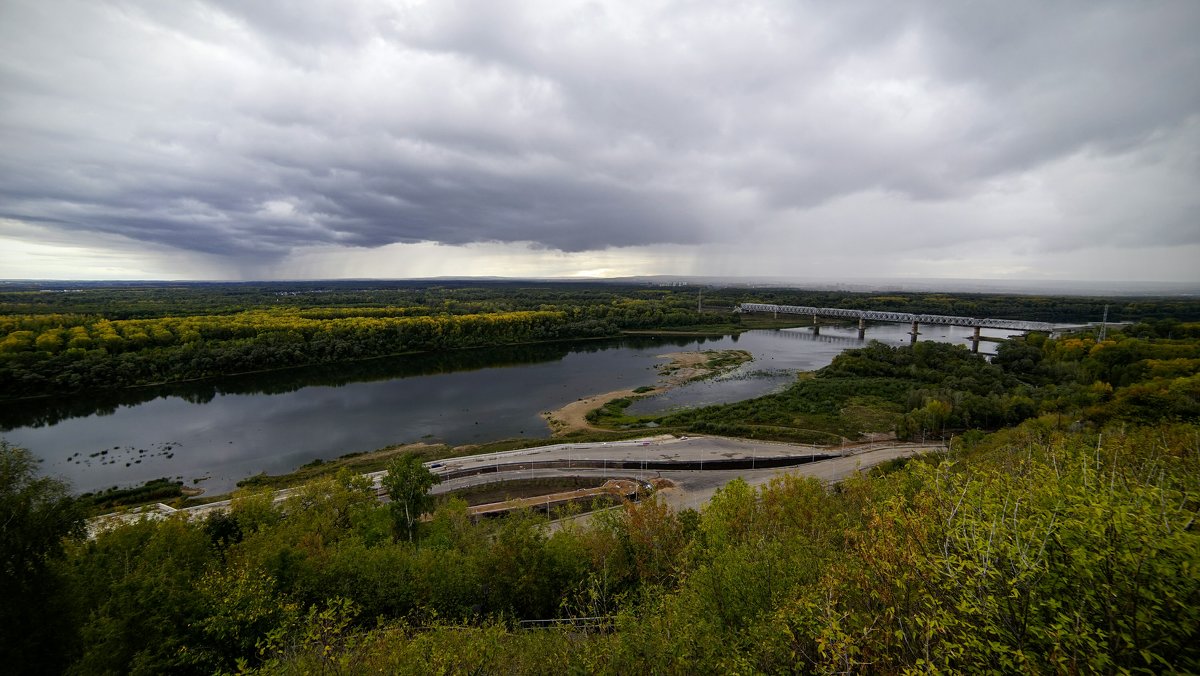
[(1031, 549)]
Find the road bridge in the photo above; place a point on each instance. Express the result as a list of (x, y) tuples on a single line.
[(863, 316)]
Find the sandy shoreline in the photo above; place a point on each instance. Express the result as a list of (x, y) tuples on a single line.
[(682, 367)]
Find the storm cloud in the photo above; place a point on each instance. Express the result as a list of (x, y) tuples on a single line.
[(252, 130)]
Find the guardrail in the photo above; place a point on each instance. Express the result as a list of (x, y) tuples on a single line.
[(603, 623), (752, 462)]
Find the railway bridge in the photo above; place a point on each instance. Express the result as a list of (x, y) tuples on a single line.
[(915, 320)]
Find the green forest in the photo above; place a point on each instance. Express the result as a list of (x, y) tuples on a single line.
[(60, 350), (1057, 534), (92, 338)]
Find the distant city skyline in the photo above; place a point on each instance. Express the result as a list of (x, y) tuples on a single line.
[(214, 140)]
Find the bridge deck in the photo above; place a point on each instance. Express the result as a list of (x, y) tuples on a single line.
[(899, 317)]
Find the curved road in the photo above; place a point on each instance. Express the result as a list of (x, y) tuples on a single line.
[(693, 487)]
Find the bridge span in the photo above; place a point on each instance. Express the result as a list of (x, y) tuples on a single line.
[(863, 316)]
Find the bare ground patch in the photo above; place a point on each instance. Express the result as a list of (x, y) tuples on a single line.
[(683, 367)]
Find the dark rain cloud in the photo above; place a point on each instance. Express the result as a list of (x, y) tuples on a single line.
[(250, 129)]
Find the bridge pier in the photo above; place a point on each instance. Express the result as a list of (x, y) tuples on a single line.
[(862, 328), (912, 336), (898, 317), (816, 327), (975, 342)]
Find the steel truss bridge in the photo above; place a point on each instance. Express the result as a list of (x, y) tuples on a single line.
[(897, 317)]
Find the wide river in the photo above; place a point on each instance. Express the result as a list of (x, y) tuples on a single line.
[(227, 429)]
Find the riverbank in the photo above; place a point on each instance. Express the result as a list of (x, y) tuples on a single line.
[(569, 420), (683, 367), (356, 463)]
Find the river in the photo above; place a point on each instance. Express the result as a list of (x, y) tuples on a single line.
[(224, 430)]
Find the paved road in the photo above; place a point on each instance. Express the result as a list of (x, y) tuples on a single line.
[(663, 448), (693, 487)]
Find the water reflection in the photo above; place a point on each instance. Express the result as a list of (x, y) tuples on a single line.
[(49, 411)]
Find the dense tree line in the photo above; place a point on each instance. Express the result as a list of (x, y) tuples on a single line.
[(153, 300), (71, 354), (156, 299), (104, 336), (79, 343)]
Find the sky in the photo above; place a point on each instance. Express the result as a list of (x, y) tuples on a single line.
[(226, 139)]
